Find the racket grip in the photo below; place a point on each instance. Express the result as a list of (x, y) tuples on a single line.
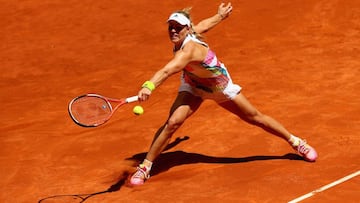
[(132, 99)]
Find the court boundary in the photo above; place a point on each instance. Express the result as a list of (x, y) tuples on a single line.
[(325, 187)]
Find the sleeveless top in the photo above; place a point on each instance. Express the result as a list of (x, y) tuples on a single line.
[(209, 75)]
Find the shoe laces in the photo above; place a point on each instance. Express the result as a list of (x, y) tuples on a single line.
[(141, 172), (303, 148)]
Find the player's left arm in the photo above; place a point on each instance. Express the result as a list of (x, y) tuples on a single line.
[(205, 25)]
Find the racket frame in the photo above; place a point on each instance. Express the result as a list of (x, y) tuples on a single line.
[(119, 102)]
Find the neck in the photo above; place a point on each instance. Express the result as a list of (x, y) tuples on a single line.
[(177, 47), (179, 44)]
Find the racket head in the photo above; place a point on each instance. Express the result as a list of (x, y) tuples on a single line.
[(91, 110)]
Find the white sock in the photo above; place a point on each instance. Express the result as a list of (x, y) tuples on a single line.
[(293, 140), (147, 164)]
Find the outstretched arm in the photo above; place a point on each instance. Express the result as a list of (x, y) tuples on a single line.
[(181, 58), (208, 23)]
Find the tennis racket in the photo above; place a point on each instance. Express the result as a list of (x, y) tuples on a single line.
[(92, 110)]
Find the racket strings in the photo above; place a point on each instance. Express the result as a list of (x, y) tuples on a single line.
[(90, 111)]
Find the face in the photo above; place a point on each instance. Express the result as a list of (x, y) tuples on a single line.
[(177, 32)]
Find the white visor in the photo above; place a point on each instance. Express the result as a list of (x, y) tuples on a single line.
[(180, 18)]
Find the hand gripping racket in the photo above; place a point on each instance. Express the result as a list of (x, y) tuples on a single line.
[(92, 110)]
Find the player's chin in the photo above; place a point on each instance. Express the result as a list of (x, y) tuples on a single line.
[(174, 38)]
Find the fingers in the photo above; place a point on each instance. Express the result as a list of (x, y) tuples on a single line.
[(144, 94), (225, 10)]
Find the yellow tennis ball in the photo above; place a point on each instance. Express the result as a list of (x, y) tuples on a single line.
[(138, 110)]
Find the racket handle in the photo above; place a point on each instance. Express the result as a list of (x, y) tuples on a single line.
[(132, 99)]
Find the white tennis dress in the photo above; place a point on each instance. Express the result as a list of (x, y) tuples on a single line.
[(208, 79)]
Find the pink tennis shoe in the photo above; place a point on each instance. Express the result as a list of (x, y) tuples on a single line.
[(139, 177), (306, 151)]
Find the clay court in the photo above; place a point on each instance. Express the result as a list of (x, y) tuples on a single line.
[(298, 61)]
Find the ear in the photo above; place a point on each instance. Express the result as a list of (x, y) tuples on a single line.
[(189, 29)]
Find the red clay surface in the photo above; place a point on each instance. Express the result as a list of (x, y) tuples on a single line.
[(297, 61)]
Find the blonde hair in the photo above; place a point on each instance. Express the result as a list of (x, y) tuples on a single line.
[(186, 13)]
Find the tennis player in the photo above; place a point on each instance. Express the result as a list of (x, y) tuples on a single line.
[(203, 76)]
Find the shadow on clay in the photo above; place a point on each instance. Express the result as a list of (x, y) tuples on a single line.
[(168, 160)]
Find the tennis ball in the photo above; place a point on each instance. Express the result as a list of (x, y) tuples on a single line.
[(138, 110)]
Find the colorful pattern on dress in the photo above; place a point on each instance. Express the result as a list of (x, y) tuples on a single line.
[(217, 82), (212, 64), (215, 77), (211, 85)]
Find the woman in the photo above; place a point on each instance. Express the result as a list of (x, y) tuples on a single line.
[(203, 77)]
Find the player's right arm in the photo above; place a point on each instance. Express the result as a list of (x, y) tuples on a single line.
[(177, 64)]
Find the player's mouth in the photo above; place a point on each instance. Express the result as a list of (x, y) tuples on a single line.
[(174, 36)]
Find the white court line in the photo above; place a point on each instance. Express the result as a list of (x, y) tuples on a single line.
[(325, 187)]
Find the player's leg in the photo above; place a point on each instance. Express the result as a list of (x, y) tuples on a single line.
[(184, 106), (246, 111)]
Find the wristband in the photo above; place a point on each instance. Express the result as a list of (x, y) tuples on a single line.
[(149, 85)]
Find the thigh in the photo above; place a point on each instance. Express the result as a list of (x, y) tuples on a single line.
[(240, 106), (184, 105)]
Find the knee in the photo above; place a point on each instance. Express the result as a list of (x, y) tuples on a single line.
[(174, 123)]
